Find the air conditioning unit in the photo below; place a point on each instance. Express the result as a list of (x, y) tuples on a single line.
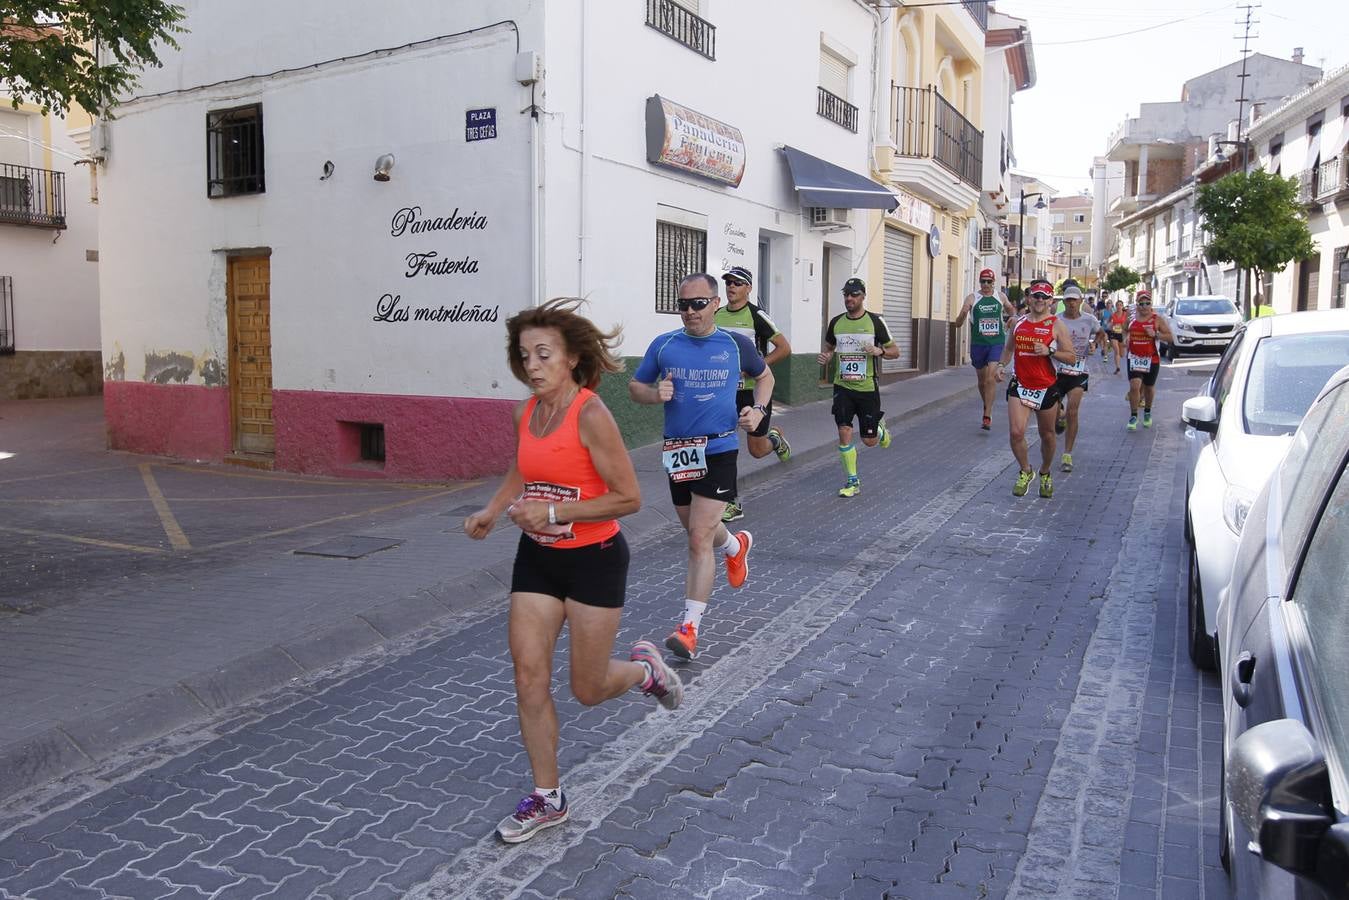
[(829, 217), (986, 240)]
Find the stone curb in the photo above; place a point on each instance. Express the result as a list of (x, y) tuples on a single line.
[(91, 739)]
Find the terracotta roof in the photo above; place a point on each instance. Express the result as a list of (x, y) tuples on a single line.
[(13, 30)]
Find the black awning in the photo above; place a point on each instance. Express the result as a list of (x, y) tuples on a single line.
[(822, 183)]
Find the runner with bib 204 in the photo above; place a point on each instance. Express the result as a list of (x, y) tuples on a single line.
[(695, 372)]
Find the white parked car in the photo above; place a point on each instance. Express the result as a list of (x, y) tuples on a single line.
[(1200, 324), (1257, 397)]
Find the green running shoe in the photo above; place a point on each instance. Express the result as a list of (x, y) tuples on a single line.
[(1067, 462), (1046, 485), (1022, 484), (733, 512), (1147, 418), (1133, 424), (780, 444), (852, 488)]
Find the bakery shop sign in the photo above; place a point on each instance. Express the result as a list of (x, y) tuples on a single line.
[(681, 138)]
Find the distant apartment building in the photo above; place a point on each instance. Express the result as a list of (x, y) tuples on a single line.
[(1160, 150), (1070, 226), (49, 332), (1308, 138), (1107, 186)]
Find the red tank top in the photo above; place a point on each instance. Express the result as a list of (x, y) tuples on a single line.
[(1117, 320), (558, 469), (1033, 371), (1139, 343)]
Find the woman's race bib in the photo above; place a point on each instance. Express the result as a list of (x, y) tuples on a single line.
[(1034, 399), (989, 327), (1140, 363), (852, 366), (546, 492), (1077, 368), (685, 459)]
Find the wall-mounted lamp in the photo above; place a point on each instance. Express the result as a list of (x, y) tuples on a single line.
[(383, 166), (328, 168)]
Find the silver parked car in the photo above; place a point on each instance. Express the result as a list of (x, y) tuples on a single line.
[(1257, 397), (1200, 324), (1284, 620)]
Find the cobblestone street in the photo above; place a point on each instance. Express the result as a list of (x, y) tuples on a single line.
[(933, 690)]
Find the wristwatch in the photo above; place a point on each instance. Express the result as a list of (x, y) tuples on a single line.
[(761, 408)]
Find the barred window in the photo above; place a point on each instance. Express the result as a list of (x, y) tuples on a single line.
[(234, 157), (680, 251)]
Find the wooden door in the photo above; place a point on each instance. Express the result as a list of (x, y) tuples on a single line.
[(248, 289)]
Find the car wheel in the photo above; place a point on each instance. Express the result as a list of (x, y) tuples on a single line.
[(1200, 644)]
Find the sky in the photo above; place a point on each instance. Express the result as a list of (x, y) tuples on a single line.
[(1086, 87)]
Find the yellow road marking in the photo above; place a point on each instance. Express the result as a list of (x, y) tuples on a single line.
[(364, 512), (75, 538), (97, 500), (171, 527), (318, 482), (60, 474)]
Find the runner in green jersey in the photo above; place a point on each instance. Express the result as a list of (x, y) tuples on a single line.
[(988, 315), (857, 337), (740, 315)]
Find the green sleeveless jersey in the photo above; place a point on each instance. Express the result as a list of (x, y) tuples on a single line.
[(754, 324), (986, 322)]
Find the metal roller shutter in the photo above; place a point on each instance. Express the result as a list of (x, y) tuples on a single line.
[(897, 307), (833, 75)]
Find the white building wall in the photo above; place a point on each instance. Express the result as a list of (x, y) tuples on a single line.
[(55, 282)]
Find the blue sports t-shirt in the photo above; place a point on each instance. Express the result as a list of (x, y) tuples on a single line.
[(706, 372)]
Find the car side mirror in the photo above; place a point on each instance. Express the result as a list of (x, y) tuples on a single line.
[(1280, 788), (1201, 414)]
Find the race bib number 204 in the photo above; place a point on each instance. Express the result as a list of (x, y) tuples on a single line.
[(685, 459)]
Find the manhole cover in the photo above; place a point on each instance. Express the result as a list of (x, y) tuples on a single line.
[(350, 546)]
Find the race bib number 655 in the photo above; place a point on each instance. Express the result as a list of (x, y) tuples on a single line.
[(685, 459), (1034, 399)]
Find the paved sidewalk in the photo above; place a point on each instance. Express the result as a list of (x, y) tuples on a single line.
[(128, 654)]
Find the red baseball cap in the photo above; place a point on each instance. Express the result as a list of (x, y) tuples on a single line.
[(1143, 294), (986, 275), (1042, 287)]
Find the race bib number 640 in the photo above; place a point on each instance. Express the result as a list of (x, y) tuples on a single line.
[(685, 459)]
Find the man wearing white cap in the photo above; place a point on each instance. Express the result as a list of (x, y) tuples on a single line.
[(1086, 334), (987, 314)]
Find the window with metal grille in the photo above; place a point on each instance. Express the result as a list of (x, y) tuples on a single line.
[(372, 443), (234, 155), (680, 251)]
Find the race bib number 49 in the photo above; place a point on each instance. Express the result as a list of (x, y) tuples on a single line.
[(852, 366), (1140, 363), (685, 459)]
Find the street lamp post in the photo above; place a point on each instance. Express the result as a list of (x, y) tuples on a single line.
[(1021, 235), (1218, 155)]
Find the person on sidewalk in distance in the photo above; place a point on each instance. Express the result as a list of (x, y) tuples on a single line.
[(857, 337), (695, 371), (986, 313), (744, 317), (1086, 334), (1118, 320), (1143, 360), (1103, 317), (570, 481), (1038, 340)]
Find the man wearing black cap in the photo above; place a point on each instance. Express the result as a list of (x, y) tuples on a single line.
[(858, 337), (740, 315), (987, 335)]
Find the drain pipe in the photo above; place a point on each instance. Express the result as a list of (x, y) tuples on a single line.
[(582, 219)]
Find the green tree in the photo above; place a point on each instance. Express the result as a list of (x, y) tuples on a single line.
[(50, 49), (1121, 278), (1255, 221)]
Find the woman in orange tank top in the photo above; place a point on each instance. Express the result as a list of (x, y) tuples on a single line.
[(571, 480)]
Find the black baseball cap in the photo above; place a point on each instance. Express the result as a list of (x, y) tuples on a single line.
[(739, 272), (854, 286)]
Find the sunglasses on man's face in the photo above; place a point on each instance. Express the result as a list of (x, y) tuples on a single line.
[(698, 304), (732, 282), (985, 280), (1041, 296), (852, 293)]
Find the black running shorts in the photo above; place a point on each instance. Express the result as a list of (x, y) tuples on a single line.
[(865, 406), (596, 574), (718, 483), (1068, 383)]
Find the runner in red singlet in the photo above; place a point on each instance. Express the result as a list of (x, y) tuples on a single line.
[(1037, 340), (1118, 320), (570, 481), (1141, 357)]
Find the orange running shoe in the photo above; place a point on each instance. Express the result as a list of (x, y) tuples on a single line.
[(737, 567), (683, 642)]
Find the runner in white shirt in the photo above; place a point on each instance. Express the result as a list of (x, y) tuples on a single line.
[(1087, 334)]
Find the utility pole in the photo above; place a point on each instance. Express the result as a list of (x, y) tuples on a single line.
[(1243, 289)]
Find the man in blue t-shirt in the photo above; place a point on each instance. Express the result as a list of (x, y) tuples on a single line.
[(695, 371)]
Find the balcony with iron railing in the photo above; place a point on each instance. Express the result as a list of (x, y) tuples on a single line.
[(31, 196), (926, 126), (837, 110), (679, 24), (978, 9), (1332, 178)]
